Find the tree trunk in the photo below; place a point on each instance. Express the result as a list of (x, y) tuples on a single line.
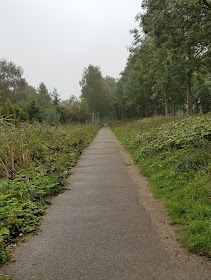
[(189, 93), (120, 114), (166, 105), (155, 108), (147, 113)]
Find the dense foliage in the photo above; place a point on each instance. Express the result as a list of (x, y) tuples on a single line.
[(175, 153), (169, 67), (98, 92), (34, 161)]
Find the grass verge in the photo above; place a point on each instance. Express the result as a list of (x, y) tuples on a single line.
[(34, 161), (175, 154)]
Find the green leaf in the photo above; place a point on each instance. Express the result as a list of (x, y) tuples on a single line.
[(4, 231)]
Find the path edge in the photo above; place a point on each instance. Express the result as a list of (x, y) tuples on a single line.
[(157, 212)]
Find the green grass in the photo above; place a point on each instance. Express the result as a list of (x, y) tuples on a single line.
[(34, 162), (2, 277), (175, 154)]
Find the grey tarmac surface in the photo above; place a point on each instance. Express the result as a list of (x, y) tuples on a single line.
[(98, 229)]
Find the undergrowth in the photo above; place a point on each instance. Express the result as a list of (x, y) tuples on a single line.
[(175, 153), (35, 159)]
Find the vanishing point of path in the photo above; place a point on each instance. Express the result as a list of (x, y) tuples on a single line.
[(99, 230)]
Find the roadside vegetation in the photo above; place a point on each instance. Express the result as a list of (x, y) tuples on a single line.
[(168, 72), (168, 68), (175, 154), (20, 102), (35, 159)]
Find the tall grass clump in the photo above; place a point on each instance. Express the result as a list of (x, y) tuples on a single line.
[(175, 153), (34, 161)]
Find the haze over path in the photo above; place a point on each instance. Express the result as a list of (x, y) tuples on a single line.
[(98, 230)]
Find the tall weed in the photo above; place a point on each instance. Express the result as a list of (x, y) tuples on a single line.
[(34, 161)]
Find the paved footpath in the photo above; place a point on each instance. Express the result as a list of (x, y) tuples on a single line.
[(98, 230)]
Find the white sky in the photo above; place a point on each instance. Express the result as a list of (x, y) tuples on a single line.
[(53, 40)]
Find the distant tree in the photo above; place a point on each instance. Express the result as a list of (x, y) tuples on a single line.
[(55, 97), (73, 105), (34, 111), (111, 82), (77, 109), (51, 115), (111, 94), (84, 111), (30, 93), (96, 92), (65, 116), (43, 95), (11, 80)]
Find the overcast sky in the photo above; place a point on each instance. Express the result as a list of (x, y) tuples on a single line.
[(53, 40)]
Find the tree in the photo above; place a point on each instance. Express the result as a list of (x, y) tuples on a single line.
[(75, 109), (11, 80), (202, 95), (139, 94), (55, 97), (51, 115), (112, 98), (43, 95), (183, 29), (167, 59), (34, 111), (96, 92), (30, 93)]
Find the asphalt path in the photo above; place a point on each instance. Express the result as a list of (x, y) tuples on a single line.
[(99, 230)]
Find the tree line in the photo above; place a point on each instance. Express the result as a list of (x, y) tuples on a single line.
[(169, 66), (168, 72), (21, 102)]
